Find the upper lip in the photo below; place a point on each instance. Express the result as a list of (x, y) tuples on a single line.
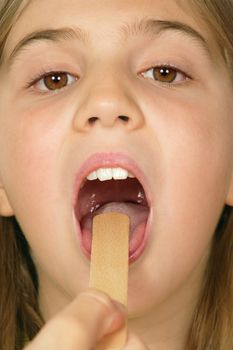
[(110, 160)]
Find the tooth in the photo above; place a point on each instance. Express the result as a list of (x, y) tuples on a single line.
[(119, 174), (92, 176), (131, 175), (104, 174)]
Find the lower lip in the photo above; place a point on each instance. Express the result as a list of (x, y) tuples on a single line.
[(135, 254)]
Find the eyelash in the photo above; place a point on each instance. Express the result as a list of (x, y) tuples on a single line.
[(49, 73), (44, 74), (170, 67)]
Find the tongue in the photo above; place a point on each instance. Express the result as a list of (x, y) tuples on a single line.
[(138, 216)]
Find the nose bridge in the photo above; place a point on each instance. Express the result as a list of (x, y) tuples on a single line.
[(108, 100)]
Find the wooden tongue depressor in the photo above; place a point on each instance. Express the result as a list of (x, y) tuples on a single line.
[(109, 265)]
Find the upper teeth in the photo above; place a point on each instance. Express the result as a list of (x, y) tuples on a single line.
[(104, 174)]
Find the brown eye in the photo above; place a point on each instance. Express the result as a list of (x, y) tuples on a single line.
[(164, 74), (54, 81)]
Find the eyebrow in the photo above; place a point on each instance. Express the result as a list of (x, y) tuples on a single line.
[(52, 35), (145, 26)]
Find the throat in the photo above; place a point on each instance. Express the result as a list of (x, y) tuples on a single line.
[(95, 194)]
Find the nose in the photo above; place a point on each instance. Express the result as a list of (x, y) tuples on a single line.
[(108, 103)]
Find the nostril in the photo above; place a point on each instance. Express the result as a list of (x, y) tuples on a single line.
[(92, 120), (124, 118)]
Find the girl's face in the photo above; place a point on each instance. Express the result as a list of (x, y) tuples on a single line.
[(178, 130)]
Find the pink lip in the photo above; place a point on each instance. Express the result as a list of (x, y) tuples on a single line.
[(118, 159)]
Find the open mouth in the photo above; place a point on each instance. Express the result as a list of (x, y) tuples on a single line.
[(113, 190)]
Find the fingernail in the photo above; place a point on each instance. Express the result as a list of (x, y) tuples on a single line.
[(118, 318), (120, 306)]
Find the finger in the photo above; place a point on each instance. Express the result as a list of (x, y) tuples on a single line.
[(135, 343), (90, 317)]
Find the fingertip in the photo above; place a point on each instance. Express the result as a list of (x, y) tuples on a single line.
[(105, 299), (111, 312)]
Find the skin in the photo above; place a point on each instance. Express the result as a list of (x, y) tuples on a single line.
[(179, 134)]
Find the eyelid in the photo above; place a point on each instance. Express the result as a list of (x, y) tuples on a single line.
[(169, 66), (45, 73)]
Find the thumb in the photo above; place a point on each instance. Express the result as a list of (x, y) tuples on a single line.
[(81, 325)]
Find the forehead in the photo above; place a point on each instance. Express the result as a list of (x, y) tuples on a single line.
[(96, 16)]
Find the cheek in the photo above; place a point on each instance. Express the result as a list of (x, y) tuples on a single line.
[(32, 143), (193, 162), (193, 143)]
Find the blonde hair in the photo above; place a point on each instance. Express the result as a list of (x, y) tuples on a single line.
[(212, 324)]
